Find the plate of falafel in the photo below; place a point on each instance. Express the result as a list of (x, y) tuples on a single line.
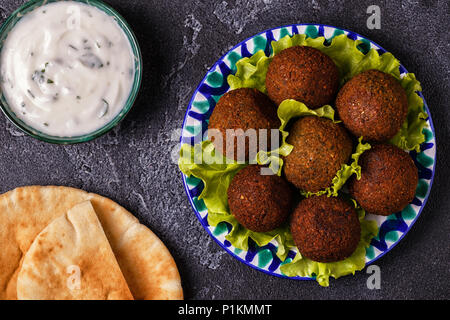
[(308, 152)]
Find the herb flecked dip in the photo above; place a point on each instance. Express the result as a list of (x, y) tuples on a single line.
[(66, 69)]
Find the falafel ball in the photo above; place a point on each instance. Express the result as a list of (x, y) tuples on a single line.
[(260, 203), (325, 229), (388, 181), (320, 148), (244, 109), (304, 74), (372, 104)]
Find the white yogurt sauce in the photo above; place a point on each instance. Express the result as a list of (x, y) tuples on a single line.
[(66, 69)]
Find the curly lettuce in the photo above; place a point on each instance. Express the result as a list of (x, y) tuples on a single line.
[(291, 109), (288, 110), (350, 61), (304, 267), (202, 162), (212, 168), (217, 174)]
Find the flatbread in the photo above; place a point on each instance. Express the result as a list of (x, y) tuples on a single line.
[(71, 259), (147, 265)]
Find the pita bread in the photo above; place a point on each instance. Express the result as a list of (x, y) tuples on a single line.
[(148, 267), (71, 259)]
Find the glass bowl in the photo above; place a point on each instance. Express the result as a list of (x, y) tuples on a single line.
[(30, 6)]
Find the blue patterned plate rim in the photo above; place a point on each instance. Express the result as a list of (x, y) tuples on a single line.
[(186, 188)]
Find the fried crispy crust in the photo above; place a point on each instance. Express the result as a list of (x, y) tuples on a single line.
[(372, 104), (244, 109), (388, 181), (260, 203), (304, 74), (325, 229), (320, 148)]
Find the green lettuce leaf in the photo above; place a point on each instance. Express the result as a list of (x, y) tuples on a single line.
[(290, 109), (350, 61), (201, 161), (411, 136), (251, 72), (347, 170), (304, 267), (215, 171), (344, 173), (216, 174)]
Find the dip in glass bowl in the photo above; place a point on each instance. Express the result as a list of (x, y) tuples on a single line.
[(69, 70)]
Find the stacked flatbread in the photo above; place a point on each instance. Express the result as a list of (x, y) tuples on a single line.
[(64, 243)]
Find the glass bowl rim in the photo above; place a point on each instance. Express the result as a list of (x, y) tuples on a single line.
[(123, 24)]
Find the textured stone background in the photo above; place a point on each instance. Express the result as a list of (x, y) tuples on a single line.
[(180, 40)]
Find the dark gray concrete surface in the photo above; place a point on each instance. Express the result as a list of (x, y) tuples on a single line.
[(132, 164)]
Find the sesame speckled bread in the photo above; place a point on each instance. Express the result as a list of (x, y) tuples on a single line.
[(147, 265)]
